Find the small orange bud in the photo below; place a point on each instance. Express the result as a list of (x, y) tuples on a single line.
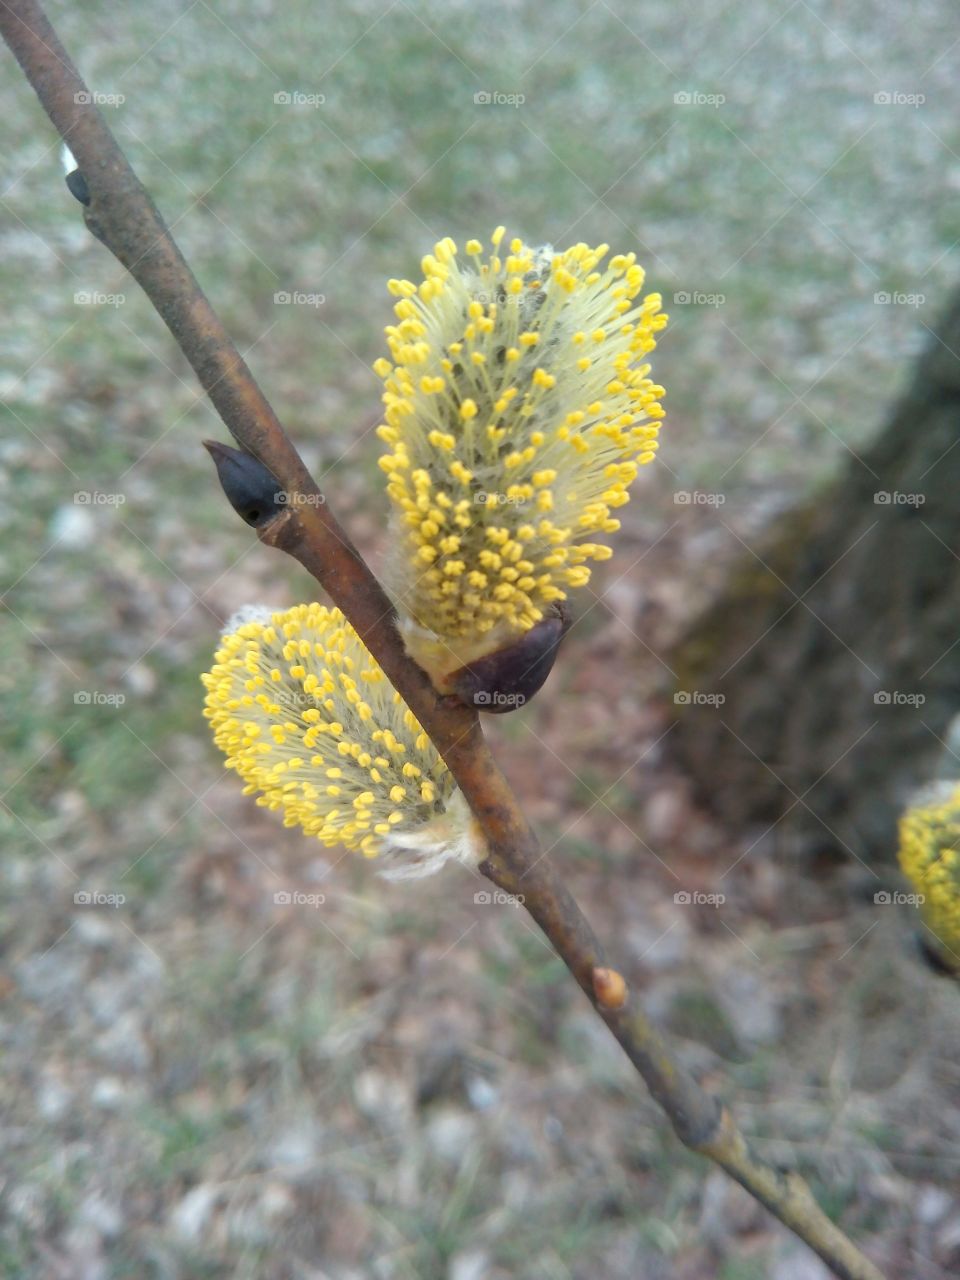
[(610, 989)]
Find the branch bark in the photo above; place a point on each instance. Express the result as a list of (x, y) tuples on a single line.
[(122, 216)]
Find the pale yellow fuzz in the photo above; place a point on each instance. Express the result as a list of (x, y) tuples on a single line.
[(518, 409), (307, 718)]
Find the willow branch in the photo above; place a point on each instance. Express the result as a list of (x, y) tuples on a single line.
[(120, 213)]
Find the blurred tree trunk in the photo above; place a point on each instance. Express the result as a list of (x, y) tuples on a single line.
[(837, 650)]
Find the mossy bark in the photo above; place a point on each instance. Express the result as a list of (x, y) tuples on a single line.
[(837, 652)]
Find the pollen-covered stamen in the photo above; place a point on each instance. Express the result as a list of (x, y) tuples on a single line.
[(518, 408), (308, 719)]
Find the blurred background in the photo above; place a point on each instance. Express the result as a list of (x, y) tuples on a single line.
[(398, 1081)]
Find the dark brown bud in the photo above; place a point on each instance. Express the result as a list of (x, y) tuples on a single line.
[(77, 186), (251, 489), (509, 677)]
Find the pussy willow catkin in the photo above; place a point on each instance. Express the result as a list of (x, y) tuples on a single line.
[(307, 718), (930, 859), (518, 409)]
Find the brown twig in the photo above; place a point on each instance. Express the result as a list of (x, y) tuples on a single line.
[(122, 216)]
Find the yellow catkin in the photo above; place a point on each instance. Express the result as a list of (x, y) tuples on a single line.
[(306, 717), (930, 859), (517, 398)]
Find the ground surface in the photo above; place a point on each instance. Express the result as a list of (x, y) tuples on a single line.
[(402, 1082)]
